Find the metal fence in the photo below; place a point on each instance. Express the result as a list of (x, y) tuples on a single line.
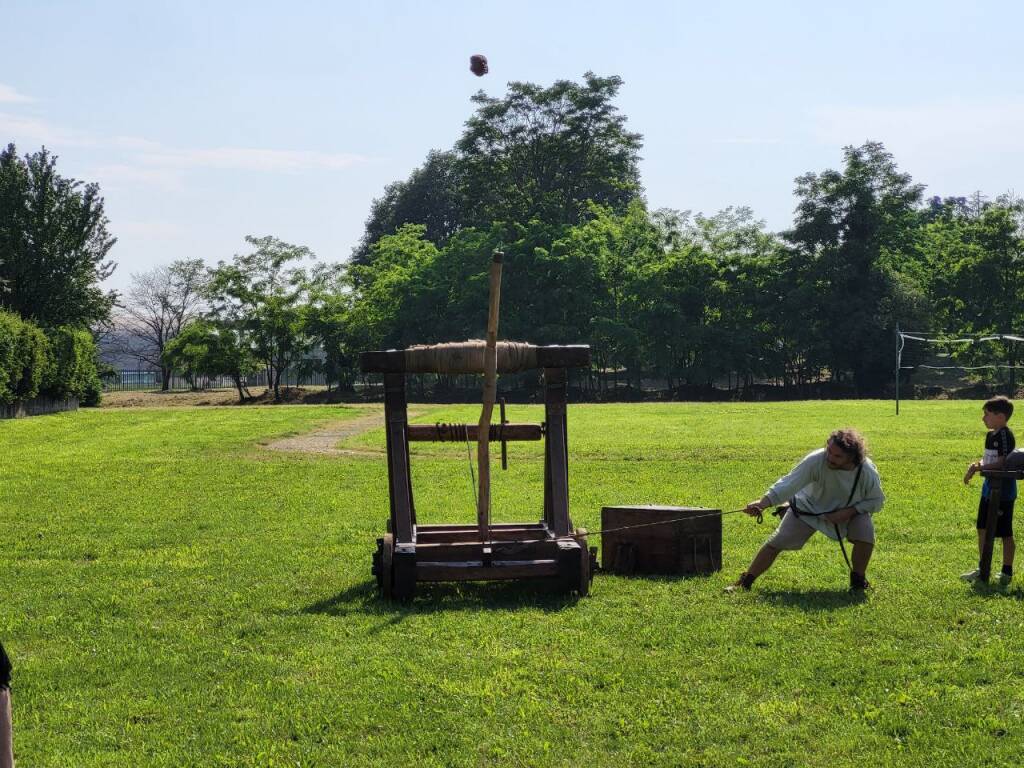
[(136, 380)]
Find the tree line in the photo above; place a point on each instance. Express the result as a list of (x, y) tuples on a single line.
[(550, 176), (53, 248)]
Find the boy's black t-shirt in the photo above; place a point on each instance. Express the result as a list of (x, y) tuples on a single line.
[(999, 442)]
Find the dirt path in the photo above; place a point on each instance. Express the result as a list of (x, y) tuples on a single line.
[(324, 441)]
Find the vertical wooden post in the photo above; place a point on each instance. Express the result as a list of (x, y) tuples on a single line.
[(399, 487), (483, 455), (557, 454), (995, 491)]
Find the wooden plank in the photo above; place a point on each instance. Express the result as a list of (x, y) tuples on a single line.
[(995, 492), (473, 535), (557, 459), (469, 526), (551, 356), (483, 455), (399, 481), (686, 546), (462, 432), (475, 570), (474, 550)]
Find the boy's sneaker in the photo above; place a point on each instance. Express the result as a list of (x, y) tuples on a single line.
[(1005, 579), (972, 576)]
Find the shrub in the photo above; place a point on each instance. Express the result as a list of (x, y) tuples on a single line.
[(24, 358), (73, 371)]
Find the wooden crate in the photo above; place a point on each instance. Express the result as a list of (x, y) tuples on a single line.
[(691, 545)]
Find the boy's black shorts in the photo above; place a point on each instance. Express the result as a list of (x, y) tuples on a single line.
[(1004, 523)]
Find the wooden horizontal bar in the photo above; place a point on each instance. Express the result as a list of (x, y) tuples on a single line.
[(1003, 474), (431, 527), (459, 432), (449, 551), (475, 570), (472, 534), (552, 356)]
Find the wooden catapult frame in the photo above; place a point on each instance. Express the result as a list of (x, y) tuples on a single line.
[(549, 549), (410, 553)]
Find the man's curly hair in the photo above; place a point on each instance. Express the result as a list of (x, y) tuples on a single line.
[(851, 442)]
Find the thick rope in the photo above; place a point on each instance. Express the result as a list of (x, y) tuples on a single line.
[(468, 357)]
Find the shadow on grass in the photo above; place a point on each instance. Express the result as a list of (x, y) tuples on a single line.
[(815, 599), (995, 590), (365, 599)]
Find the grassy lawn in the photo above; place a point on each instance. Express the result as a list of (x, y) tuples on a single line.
[(174, 594)]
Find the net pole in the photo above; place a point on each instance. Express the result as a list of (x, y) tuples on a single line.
[(899, 362)]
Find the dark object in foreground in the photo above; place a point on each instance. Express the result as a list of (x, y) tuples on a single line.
[(690, 545), (995, 478), (6, 737), (550, 549), (5, 668)]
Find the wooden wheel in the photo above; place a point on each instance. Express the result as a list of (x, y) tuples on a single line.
[(585, 575), (387, 558)]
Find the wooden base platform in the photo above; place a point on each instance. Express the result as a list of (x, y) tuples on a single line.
[(455, 553)]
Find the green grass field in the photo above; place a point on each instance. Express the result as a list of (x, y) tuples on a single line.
[(173, 593)]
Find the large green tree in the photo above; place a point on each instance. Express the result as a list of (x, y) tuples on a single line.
[(535, 154), (431, 196), (854, 243), (261, 298), (975, 266), (53, 244), (544, 153)]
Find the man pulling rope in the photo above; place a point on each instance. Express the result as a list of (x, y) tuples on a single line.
[(834, 490)]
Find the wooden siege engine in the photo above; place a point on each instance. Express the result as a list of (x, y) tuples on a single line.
[(549, 549)]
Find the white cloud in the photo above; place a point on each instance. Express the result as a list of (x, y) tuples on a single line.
[(9, 95), (31, 131), (151, 162), (119, 175)]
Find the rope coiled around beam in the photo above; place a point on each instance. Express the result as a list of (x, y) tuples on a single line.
[(468, 357)]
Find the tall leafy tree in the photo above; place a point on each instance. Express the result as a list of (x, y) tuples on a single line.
[(157, 305), (54, 243), (261, 297), (535, 154), (431, 196), (975, 265), (543, 153), (855, 231), (205, 348)]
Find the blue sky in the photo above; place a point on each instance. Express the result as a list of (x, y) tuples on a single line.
[(205, 122)]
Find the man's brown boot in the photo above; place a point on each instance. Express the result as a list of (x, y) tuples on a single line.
[(744, 582)]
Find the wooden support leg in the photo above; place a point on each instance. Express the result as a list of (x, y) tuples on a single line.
[(995, 493), (557, 450), (399, 487)]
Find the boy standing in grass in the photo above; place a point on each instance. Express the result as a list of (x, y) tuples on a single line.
[(999, 444)]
